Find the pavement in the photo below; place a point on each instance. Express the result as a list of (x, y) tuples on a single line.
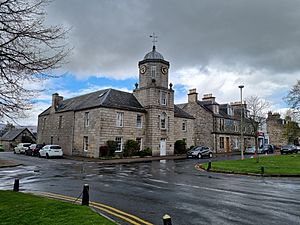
[(8, 163)]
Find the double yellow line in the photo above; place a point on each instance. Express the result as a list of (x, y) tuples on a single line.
[(104, 208)]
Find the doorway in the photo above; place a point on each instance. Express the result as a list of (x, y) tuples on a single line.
[(163, 150)]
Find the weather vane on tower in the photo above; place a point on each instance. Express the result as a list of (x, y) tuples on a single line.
[(154, 39)]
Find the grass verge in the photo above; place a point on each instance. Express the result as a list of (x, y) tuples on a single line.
[(20, 208), (6, 163), (273, 165)]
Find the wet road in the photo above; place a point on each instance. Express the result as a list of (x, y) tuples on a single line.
[(149, 190)]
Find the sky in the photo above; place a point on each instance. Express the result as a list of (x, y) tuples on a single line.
[(212, 45)]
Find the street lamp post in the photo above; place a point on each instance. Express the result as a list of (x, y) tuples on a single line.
[(242, 137)]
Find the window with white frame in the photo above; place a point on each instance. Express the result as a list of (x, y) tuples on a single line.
[(85, 143), (184, 124), (153, 72), (163, 121), (139, 140), (222, 124), (139, 121), (119, 142), (86, 119), (235, 126), (120, 119), (221, 142), (163, 98)]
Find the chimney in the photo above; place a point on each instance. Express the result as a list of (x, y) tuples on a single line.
[(209, 97), (56, 100), (192, 95)]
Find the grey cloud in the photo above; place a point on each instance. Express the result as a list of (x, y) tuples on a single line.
[(109, 37)]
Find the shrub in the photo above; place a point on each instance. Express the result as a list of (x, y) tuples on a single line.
[(180, 147), (146, 152), (112, 147), (131, 148), (103, 151)]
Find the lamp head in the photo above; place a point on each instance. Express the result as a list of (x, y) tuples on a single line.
[(241, 86)]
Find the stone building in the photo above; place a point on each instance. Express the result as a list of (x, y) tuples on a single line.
[(83, 124), (218, 125), (15, 136), (275, 128)]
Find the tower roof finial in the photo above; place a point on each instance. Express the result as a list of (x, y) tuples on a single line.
[(154, 39)]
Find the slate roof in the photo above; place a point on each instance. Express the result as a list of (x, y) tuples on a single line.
[(13, 134), (109, 98), (178, 112)]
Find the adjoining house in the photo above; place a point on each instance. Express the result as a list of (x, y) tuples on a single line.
[(83, 124), (12, 137), (218, 125)]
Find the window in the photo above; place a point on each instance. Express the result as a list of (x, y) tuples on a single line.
[(86, 119), (235, 143), (153, 72), (139, 121), (163, 118), (221, 124), (85, 143), (139, 140), (119, 141), (235, 126), (44, 123), (60, 122), (221, 142), (51, 140), (163, 98), (120, 117), (184, 125)]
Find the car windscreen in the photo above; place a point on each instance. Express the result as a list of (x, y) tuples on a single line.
[(55, 147)]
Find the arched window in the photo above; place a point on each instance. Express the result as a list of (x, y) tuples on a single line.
[(163, 121)]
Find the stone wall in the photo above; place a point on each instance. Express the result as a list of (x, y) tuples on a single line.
[(50, 131), (102, 127), (188, 134), (275, 128)]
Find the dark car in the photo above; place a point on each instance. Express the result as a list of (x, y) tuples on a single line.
[(38, 147), (268, 149), (200, 152), (288, 149)]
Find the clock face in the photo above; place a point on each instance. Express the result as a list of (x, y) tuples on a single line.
[(164, 69), (143, 69)]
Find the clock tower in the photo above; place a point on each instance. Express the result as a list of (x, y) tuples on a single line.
[(157, 97)]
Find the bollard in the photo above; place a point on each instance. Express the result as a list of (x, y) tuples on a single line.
[(16, 185), (85, 195), (209, 165), (167, 219), (262, 170)]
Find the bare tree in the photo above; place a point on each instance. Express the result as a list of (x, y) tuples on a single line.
[(293, 99), (257, 108), (29, 51)]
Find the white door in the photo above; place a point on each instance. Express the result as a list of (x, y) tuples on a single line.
[(163, 150)]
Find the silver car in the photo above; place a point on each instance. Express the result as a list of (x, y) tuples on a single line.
[(251, 150), (199, 152)]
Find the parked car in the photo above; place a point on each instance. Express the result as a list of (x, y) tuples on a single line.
[(200, 152), (251, 150), (288, 149), (51, 151), (28, 151), (268, 149), (21, 148), (35, 151)]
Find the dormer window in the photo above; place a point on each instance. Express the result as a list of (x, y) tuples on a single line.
[(229, 111)]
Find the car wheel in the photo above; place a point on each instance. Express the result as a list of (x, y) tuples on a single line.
[(47, 156), (281, 152), (199, 156), (210, 155), (14, 152)]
